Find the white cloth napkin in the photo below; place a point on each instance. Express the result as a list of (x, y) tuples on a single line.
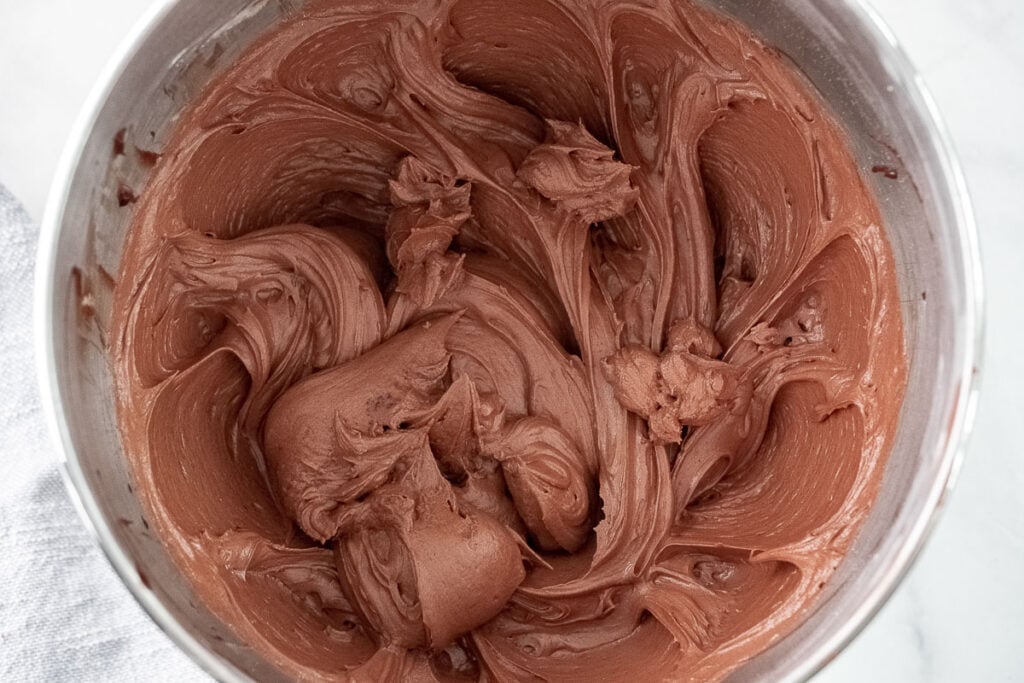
[(64, 615)]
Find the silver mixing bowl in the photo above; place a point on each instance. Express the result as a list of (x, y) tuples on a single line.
[(843, 48)]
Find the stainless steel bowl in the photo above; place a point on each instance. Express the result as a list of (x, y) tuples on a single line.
[(842, 47)]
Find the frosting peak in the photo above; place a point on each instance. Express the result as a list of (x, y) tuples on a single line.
[(429, 210), (575, 171)]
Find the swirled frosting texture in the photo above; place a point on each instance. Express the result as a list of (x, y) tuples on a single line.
[(518, 340)]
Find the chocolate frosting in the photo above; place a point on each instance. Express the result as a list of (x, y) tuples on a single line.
[(531, 339)]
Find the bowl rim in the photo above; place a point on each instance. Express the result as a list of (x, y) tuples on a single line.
[(961, 418)]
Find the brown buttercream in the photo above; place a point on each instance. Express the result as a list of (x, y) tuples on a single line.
[(531, 339)]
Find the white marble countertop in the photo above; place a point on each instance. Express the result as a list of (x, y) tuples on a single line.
[(959, 616)]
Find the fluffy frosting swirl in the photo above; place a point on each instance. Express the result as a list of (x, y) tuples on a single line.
[(530, 339)]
